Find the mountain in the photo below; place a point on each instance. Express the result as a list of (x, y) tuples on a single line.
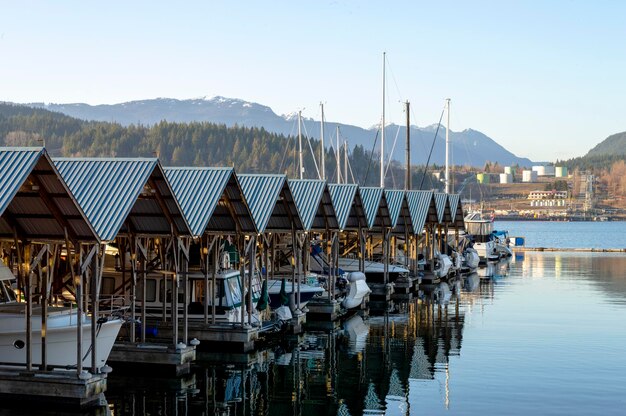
[(612, 145), (602, 157), (247, 149), (468, 147)]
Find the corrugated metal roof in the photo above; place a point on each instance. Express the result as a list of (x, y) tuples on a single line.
[(15, 165), (35, 200), (316, 211), (348, 206), (420, 203), (443, 207), (270, 201), (375, 207), (456, 210), (110, 190), (394, 202), (199, 191)]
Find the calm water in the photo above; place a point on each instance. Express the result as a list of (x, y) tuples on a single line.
[(567, 234), (545, 336)]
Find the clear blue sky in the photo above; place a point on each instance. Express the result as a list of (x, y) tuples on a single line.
[(546, 79)]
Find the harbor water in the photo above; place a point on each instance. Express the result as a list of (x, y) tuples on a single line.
[(544, 335), (559, 234)]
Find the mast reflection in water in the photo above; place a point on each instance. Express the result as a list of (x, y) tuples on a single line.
[(543, 334)]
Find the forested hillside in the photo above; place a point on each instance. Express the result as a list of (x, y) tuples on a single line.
[(602, 156), (248, 149), (612, 145)]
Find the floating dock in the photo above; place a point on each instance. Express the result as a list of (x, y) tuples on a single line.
[(56, 388), (161, 358)]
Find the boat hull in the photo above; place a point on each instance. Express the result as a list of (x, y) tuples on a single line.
[(60, 344)]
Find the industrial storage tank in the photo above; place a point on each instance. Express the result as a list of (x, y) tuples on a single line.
[(482, 178), (560, 171), (508, 169), (506, 178), (544, 170), (529, 176)]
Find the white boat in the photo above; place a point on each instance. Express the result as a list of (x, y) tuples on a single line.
[(307, 292), (228, 299), (61, 334), (357, 291), (471, 259), (374, 271), (481, 229), (442, 265), (502, 242)]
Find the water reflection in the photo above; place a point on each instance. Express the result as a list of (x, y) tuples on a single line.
[(410, 362)]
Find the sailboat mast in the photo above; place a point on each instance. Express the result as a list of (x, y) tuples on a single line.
[(407, 180), (382, 134), (345, 161), (323, 158), (300, 145), (338, 157), (448, 147)]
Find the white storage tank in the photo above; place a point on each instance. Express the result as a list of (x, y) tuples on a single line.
[(529, 176), (544, 170), (508, 169), (506, 178), (560, 172)]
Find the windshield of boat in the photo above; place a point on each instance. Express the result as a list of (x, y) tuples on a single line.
[(6, 292), (234, 289)]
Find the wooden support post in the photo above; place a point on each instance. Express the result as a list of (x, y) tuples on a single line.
[(385, 253), (216, 260), (242, 279), (300, 269), (29, 311), (79, 315), (185, 269), (44, 312), (133, 288), (251, 271), (204, 256), (174, 305), (94, 307), (144, 293)]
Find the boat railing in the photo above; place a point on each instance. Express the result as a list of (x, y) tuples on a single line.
[(110, 305)]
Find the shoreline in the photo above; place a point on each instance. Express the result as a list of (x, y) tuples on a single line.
[(565, 249)]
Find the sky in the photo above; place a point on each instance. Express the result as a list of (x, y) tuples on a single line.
[(545, 79)]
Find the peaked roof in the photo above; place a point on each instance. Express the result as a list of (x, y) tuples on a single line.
[(456, 209), (35, 201), (375, 207), (394, 202), (314, 204), (211, 199), (346, 200), (399, 212), (422, 209), (116, 193), (443, 208), (270, 202)]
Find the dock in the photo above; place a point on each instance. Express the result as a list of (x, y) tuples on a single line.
[(158, 254), (55, 388), (152, 357)]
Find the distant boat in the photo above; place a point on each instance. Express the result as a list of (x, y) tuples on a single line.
[(481, 229)]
